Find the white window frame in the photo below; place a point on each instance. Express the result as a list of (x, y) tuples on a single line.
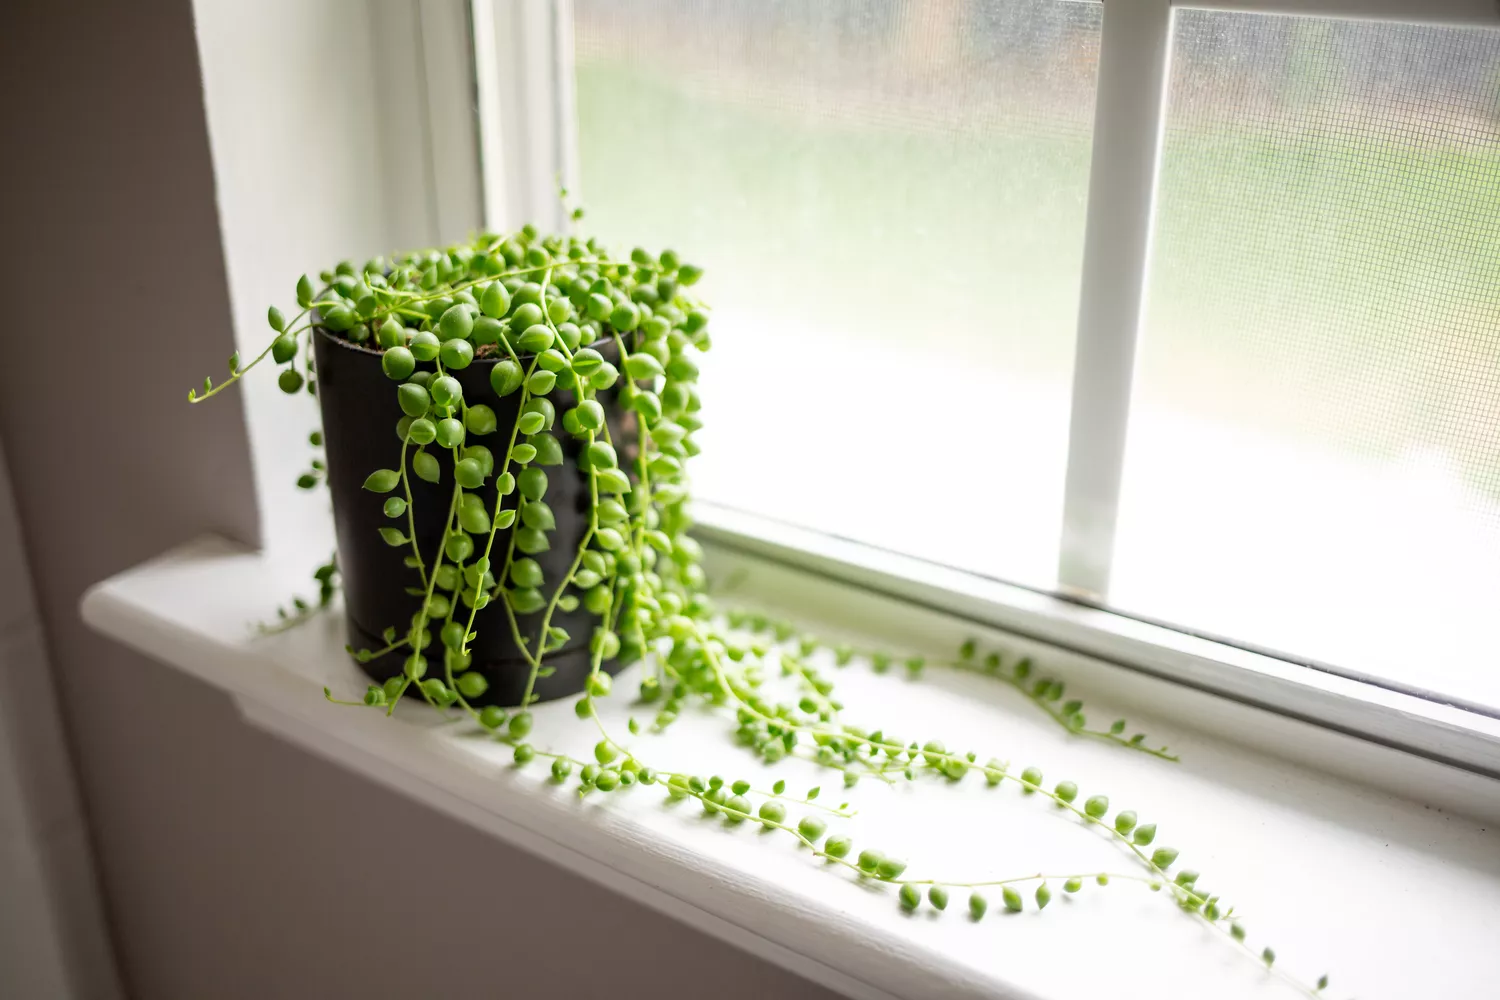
[(524, 68)]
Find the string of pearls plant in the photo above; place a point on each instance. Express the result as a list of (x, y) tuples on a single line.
[(542, 306)]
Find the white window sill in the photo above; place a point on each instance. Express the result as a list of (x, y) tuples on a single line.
[(1394, 899)]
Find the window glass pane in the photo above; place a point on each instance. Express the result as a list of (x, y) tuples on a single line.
[(888, 198), (1314, 450)]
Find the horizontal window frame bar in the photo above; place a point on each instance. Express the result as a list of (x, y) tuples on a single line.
[(1443, 733), (1471, 13)]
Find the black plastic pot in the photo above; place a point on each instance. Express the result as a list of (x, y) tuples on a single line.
[(360, 413)]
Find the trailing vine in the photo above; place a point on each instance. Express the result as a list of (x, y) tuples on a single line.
[(1042, 690), (579, 337)]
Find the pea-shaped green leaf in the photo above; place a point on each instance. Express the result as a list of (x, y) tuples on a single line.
[(382, 480), (539, 516), (472, 684), (683, 369), (610, 511), (450, 432), (426, 467), (648, 405), (391, 333), (811, 827), (535, 338), (413, 398), (601, 455), (642, 366), (424, 346), (469, 474), (548, 450), (586, 361), (526, 573), (665, 467), (339, 318), (421, 431), (487, 331), (526, 601), (446, 391), (506, 377), (458, 547), (532, 483), (456, 354), (590, 414), (604, 377), (398, 363), (455, 323), (612, 481), (495, 300), (480, 419), (625, 316)]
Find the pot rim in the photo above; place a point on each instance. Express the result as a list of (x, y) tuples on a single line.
[(345, 342)]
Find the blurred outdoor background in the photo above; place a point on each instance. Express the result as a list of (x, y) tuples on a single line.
[(889, 198)]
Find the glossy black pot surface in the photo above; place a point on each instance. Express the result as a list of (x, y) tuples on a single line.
[(360, 414)]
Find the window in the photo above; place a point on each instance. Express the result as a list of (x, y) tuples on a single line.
[(1190, 315), (1314, 453), (891, 192)]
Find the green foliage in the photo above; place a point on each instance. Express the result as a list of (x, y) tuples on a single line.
[(557, 321)]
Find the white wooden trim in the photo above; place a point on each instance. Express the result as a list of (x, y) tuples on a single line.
[(451, 121), (524, 96), (566, 98), (1452, 12), (489, 115), (1134, 52)]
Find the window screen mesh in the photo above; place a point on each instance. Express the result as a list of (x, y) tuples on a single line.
[(1314, 449), (889, 200)]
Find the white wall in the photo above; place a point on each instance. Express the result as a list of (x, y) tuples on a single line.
[(53, 943), (323, 150)]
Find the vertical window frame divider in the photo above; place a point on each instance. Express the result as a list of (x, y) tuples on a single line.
[(1129, 110)]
